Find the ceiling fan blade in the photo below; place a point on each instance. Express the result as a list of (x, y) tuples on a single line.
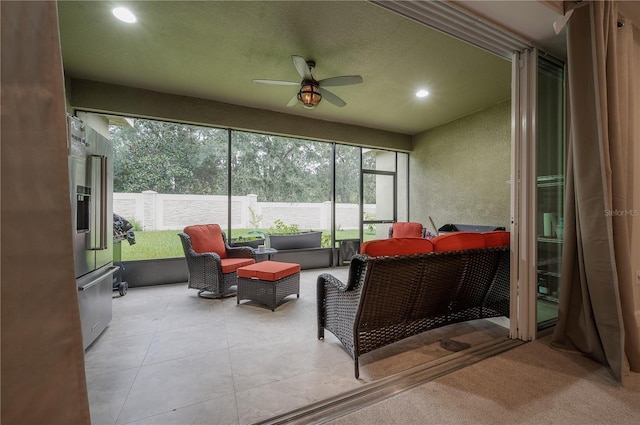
[(293, 101), (301, 66), (277, 82), (330, 97), (345, 80)]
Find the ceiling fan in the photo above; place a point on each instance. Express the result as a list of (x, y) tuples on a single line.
[(312, 91)]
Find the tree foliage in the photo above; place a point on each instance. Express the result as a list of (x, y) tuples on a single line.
[(179, 158), (280, 169), (169, 158)]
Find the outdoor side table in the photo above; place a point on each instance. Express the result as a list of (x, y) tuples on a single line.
[(268, 282), (268, 252)]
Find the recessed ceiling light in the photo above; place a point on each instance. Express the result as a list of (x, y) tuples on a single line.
[(124, 14), (422, 93)]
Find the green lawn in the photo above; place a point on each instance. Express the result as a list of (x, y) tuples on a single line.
[(153, 244), (166, 243)]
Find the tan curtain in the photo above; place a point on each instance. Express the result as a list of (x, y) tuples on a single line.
[(596, 314), (43, 377)]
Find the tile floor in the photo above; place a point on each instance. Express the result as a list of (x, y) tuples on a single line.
[(170, 357)]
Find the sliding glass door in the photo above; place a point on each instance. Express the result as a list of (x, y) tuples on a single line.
[(537, 191), (549, 189)]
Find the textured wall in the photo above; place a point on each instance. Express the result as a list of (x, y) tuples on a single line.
[(157, 211), (128, 101), (459, 171)]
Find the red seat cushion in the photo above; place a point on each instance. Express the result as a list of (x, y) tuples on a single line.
[(406, 230), (396, 246), (206, 238), (497, 238), (230, 265), (269, 270), (457, 241)]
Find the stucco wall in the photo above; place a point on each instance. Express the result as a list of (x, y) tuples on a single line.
[(157, 211), (128, 101), (459, 172)]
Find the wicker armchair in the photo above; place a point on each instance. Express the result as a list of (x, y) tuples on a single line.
[(212, 263)]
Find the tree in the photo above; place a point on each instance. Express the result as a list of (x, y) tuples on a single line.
[(280, 169), (169, 158), (179, 158), (347, 174)]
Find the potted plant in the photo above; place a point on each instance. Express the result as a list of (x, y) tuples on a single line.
[(255, 237), (284, 237), (251, 241)]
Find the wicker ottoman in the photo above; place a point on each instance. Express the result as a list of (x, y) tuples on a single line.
[(268, 282)]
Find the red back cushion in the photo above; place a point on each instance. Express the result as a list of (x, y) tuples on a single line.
[(396, 246), (456, 241), (207, 238), (497, 238), (407, 230)]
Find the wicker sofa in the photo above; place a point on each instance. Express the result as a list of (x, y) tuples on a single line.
[(400, 287)]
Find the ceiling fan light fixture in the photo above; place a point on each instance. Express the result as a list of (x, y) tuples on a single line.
[(309, 95)]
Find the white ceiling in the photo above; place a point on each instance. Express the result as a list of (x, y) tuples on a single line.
[(214, 49)]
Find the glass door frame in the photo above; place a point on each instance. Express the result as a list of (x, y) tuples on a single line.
[(523, 195), (550, 187), (364, 222)]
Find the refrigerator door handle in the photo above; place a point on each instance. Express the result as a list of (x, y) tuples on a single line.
[(98, 279), (103, 203), (98, 173)]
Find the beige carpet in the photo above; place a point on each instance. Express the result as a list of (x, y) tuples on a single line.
[(531, 384)]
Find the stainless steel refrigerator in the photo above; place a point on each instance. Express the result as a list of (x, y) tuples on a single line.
[(91, 194)]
